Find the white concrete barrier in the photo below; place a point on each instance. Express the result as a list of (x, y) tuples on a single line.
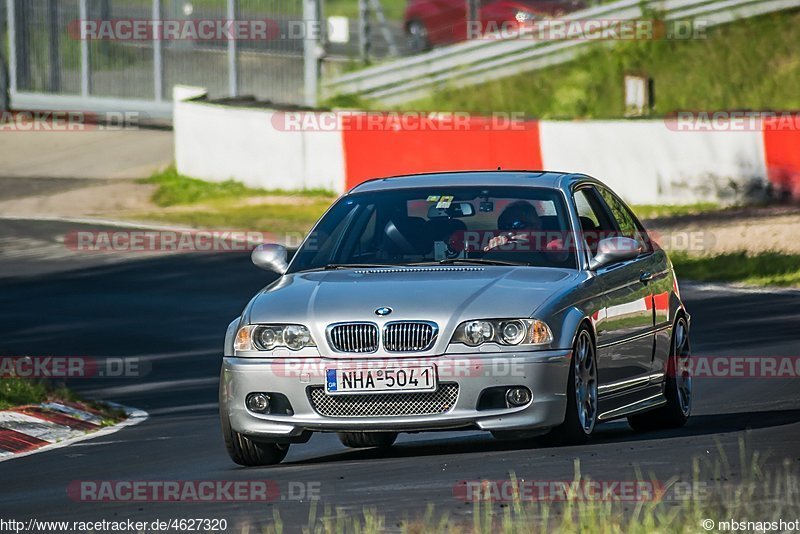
[(644, 161), (647, 162), (218, 142)]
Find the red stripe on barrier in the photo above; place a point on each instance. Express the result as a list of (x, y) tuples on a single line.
[(782, 152), (385, 151), (57, 418), (13, 441)]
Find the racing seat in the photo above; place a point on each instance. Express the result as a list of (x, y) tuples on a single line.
[(406, 236)]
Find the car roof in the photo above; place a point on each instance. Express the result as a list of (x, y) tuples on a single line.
[(524, 178)]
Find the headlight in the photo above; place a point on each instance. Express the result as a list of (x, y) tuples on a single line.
[(477, 332), (268, 337), (503, 332)]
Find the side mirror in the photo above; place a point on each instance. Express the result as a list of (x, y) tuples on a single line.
[(270, 258), (614, 249)]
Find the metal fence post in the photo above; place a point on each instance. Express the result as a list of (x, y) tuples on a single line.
[(86, 75), (12, 46), (473, 14), (233, 59), (22, 42), (54, 74), (385, 30), (158, 63), (363, 30), (311, 46)]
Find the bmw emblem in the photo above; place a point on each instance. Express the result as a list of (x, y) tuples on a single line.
[(385, 310)]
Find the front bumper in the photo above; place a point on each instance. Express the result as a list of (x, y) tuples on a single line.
[(545, 373)]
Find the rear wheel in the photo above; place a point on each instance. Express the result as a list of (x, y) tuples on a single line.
[(581, 414), (362, 440), (677, 387)]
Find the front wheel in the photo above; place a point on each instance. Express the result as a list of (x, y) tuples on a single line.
[(362, 440), (241, 449), (581, 414), (677, 386), (245, 451)]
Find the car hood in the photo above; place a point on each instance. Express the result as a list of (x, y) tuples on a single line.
[(444, 295)]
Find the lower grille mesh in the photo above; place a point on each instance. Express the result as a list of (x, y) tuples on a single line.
[(384, 404)]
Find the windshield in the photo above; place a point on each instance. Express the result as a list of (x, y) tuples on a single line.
[(492, 225)]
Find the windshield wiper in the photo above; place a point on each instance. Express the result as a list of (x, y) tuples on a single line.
[(334, 266), (479, 261)]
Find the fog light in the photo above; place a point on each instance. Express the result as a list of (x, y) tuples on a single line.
[(257, 402), (518, 396)]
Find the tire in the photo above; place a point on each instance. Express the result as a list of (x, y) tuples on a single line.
[(581, 414), (417, 40), (243, 450), (247, 452), (362, 440), (677, 388)]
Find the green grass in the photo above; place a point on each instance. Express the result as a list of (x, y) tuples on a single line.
[(19, 391), (393, 9), (763, 269), (750, 64), (231, 204), (760, 494), (656, 211), (276, 218), (175, 189)]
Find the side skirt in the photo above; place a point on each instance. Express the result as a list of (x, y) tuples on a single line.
[(632, 402)]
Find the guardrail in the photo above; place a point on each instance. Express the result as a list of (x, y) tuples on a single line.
[(478, 61)]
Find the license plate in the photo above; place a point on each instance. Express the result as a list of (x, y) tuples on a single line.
[(422, 378)]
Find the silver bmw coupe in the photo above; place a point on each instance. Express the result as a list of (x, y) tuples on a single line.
[(526, 304)]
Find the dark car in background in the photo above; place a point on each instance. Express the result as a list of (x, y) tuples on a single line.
[(430, 23)]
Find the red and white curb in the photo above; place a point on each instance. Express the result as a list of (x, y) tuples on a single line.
[(34, 428)]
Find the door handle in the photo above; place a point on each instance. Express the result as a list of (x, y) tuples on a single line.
[(646, 277)]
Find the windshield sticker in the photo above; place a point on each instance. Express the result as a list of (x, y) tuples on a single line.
[(433, 198), (444, 202)]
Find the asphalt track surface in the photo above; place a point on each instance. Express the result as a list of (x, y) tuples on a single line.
[(171, 311)]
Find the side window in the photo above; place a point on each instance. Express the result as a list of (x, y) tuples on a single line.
[(594, 221), (585, 209), (625, 220)]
